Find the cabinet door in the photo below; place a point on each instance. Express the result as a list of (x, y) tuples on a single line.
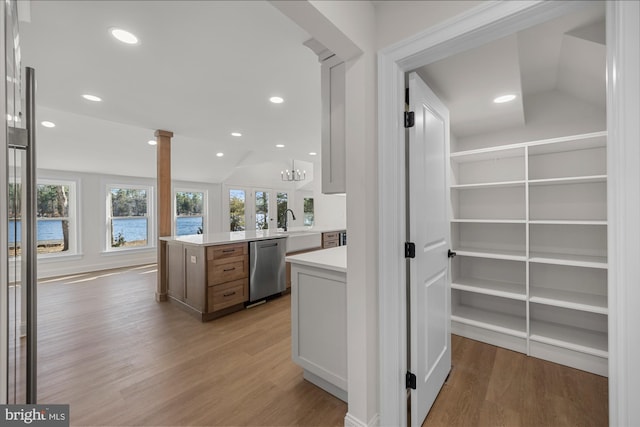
[(175, 266), (333, 126), (195, 277)]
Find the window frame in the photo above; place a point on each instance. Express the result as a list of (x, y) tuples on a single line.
[(205, 206), (150, 216), (72, 218)]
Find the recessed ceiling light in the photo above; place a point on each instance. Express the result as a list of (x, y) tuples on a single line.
[(219, 154), (48, 124), (152, 142), (236, 134), (313, 153), (124, 36), (276, 100), (91, 97), (280, 145), (504, 98)]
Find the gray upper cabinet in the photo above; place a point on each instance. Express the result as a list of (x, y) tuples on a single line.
[(333, 126)]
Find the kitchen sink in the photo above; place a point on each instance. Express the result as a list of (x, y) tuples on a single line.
[(299, 240)]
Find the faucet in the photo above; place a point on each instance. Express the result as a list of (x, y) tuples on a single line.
[(293, 216)]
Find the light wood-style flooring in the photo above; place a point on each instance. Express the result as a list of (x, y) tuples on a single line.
[(493, 386), (119, 358)]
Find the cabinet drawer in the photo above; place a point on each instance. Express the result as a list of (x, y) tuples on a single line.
[(227, 294), (330, 244), (230, 269), (227, 251), (330, 236)]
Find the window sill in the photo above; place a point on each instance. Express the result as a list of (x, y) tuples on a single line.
[(116, 252), (50, 258)]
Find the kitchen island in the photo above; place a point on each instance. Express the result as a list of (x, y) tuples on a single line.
[(209, 274), (319, 317)]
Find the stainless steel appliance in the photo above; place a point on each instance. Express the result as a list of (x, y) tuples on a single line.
[(267, 268)]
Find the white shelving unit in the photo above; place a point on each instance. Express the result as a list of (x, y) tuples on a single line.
[(529, 226)]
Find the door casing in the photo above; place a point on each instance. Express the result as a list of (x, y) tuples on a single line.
[(485, 23)]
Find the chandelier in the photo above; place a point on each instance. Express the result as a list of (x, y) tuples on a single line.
[(293, 174)]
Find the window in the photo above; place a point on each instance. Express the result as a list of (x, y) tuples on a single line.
[(262, 210), (55, 225), (189, 212), (236, 210), (308, 211), (128, 217), (282, 201)]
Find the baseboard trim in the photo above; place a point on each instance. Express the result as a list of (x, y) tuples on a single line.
[(351, 421)]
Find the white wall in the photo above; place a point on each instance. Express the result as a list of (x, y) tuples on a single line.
[(398, 20), (548, 115)]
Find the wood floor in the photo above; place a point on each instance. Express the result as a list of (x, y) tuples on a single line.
[(119, 358), (492, 386)]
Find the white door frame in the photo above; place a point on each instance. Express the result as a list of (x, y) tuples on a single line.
[(480, 25)]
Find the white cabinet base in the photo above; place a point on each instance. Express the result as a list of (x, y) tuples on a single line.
[(325, 385), (319, 325)]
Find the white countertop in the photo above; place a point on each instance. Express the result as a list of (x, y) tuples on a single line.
[(223, 238), (244, 236), (331, 259)]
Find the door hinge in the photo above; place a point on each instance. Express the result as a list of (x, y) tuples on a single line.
[(409, 119), (410, 380), (451, 254), (409, 250)]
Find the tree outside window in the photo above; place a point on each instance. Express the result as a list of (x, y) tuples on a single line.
[(262, 210), (308, 211), (236, 210), (282, 201), (53, 231), (189, 213), (128, 217)]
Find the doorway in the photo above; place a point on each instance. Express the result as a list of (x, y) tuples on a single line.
[(459, 36)]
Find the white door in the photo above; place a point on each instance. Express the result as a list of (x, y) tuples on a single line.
[(429, 281)]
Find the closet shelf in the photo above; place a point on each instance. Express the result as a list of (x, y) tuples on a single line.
[(497, 322), (569, 337), (491, 253), (568, 180), (568, 259), (514, 291), (489, 221), (502, 184), (567, 222), (572, 300)]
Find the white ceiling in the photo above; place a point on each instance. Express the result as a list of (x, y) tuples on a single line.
[(203, 69), (566, 55)]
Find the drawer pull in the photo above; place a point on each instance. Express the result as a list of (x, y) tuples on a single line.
[(228, 250), (228, 294), (229, 269)]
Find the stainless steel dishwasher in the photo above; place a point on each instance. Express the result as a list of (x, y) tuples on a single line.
[(267, 268)]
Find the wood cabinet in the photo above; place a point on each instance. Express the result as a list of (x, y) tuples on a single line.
[(227, 276), (529, 225), (333, 125), (209, 281), (331, 239)]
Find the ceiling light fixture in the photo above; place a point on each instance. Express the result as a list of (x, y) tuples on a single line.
[(124, 36), (293, 174), (48, 124), (152, 142), (91, 98), (219, 154), (236, 134), (313, 153), (280, 145), (276, 100), (504, 98)]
